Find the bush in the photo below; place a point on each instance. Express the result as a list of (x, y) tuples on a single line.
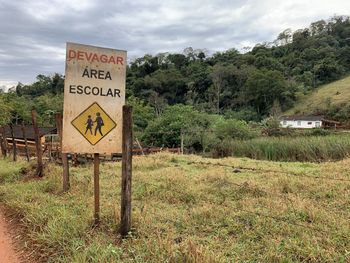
[(166, 129), (318, 132), (233, 129)]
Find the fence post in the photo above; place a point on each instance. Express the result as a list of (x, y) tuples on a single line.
[(39, 150), (127, 145), (7, 148), (97, 188), (2, 143), (50, 148), (14, 145), (64, 156), (182, 142), (139, 144), (25, 141)]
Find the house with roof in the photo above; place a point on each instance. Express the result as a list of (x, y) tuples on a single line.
[(307, 122)]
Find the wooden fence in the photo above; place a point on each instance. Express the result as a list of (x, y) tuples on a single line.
[(51, 150)]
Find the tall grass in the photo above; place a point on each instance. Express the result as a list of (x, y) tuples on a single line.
[(10, 171), (311, 148)]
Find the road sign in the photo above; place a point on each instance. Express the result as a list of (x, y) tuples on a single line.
[(94, 130), (94, 94)]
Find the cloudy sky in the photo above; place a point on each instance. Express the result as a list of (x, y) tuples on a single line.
[(33, 33)]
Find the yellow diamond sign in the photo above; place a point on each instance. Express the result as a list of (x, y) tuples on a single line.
[(94, 123)]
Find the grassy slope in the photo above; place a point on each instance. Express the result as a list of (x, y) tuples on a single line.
[(318, 100), (185, 212)]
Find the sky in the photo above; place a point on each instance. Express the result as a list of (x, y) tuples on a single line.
[(33, 33)]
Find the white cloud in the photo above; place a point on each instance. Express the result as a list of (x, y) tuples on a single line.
[(33, 33), (7, 84)]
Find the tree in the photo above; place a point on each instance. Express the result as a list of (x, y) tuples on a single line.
[(166, 129), (262, 88), (142, 114), (219, 77), (6, 110), (285, 37)]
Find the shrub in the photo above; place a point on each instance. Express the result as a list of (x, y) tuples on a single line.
[(233, 129)]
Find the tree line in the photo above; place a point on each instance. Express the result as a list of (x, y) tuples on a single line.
[(231, 85)]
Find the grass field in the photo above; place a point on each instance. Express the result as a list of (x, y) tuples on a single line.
[(335, 93), (188, 209)]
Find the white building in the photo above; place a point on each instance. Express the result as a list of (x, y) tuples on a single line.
[(303, 122)]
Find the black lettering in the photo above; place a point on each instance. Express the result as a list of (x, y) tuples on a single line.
[(72, 89), (101, 74), (108, 76), (101, 93), (117, 93), (85, 90), (93, 73), (95, 91), (80, 89), (86, 73), (109, 93)]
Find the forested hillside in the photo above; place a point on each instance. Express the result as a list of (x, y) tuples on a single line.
[(248, 86)]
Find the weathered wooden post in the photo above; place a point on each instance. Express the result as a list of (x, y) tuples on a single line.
[(64, 156), (127, 145), (182, 142), (14, 145), (39, 150), (139, 145), (3, 153), (2, 143), (50, 149), (97, 188), (25, 141)]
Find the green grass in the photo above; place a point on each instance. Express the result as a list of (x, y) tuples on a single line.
[(10, 171), (336, 93), (188, 212), (303, 148)]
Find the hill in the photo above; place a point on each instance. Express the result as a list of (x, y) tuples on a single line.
[(332, 100)]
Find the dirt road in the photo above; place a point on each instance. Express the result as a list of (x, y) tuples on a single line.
[(7, 250)]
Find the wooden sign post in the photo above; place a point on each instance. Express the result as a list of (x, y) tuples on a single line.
[(97, 188), (125, 221), (94, 94)]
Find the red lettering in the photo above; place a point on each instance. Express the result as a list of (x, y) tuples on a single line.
[(111, 59), (71, 54), (80, 55), (103, 58), (120, 60), (95, 57), (88, 57)]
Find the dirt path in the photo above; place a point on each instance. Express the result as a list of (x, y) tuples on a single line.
[(8, 253)]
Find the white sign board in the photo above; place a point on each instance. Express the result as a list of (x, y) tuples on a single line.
[(94, 94)]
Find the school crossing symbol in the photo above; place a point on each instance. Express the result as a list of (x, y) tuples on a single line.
[(94, 123)]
